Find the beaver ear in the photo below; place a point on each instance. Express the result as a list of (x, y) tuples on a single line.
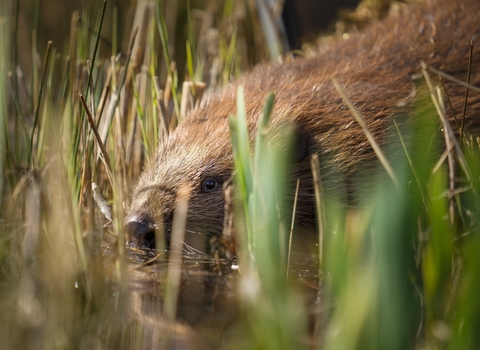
[(301, 144)]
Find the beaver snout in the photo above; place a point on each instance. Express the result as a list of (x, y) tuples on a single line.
[(141, 233)]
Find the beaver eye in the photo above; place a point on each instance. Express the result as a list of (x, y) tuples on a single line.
[(209, 185)]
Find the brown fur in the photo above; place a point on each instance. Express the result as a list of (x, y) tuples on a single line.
[(375, 67)]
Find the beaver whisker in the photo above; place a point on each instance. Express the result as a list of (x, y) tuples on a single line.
[(188, 249), (196, 232)]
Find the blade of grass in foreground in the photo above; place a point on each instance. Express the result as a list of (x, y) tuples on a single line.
[(370, 283), (242, 153), (272, 317)]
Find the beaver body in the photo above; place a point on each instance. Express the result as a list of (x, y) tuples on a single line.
[(376, 69)]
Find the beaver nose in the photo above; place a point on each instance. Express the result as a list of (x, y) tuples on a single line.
[(141, 234)]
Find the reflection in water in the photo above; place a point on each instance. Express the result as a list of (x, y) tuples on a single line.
[(208, 310), (207, 306)]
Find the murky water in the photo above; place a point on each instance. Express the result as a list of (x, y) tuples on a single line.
[(208, 312)]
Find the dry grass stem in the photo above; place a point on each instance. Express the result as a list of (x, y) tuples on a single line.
[(320, 206), (102, 204), (361, 120), (466, 92), (443, 157), (451, 161), (164, 120), (294, 210), (104, 154), (452, 78), (175, 257), (192, 92), (448, 130), (449, 102)]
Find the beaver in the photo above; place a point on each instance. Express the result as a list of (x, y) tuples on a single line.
[(376, 68)]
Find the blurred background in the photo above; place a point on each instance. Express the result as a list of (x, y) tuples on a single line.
[(41, 21)]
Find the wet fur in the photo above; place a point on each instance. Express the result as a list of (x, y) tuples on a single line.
[(376, 69)]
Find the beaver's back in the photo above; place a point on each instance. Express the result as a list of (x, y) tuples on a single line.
[(376, 69)]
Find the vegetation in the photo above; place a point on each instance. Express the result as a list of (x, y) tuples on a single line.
[(399, 271)]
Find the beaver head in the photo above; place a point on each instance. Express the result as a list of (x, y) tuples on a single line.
[(198, 155)]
